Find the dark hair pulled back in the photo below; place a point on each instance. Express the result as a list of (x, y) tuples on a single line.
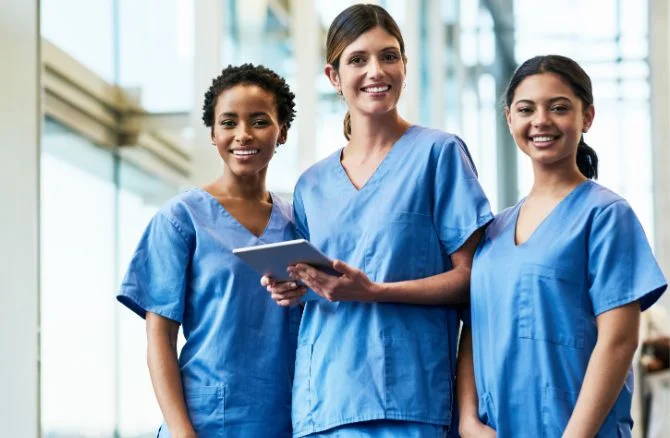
[(580, 83)]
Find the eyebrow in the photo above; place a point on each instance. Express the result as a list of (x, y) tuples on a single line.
[(256, 114), (552, 100), (363, 52)]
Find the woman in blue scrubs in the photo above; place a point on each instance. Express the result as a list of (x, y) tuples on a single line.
[(398, 208), (234, 373), (558, 281)]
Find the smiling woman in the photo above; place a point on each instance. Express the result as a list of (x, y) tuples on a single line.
[(404, 210), (559, 280), (184, 274)]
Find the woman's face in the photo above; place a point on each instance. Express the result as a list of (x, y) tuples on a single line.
[(371, 73), (246, 129), (547, 119)]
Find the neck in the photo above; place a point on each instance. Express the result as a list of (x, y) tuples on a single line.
[(555, 180), (369, 134), (251, 188)]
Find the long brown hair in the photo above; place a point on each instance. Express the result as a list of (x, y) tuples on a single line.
[(349, 25)]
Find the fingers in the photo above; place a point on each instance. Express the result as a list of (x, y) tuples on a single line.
[(287, 297), (281, 288), (345, 269), (266, 281), (288, 302)]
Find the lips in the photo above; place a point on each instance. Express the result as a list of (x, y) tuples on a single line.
[(543, 140), (376, 88), (244, 152)]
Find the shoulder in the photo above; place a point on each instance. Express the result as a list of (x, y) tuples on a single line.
[(599, 199), (601, 195), (444, 147), (501, 220), (181, 210), (436, 139), (315, 173), (283, 206)]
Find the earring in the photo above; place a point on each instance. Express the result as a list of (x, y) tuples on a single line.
[(339, 92), (404, 84)]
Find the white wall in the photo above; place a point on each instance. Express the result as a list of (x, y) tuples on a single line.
[(659, 30), (20, 120)]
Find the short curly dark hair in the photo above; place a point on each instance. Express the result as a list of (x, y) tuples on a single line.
[(251, 74)]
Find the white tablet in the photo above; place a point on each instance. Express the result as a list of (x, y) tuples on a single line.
[(272, 259)]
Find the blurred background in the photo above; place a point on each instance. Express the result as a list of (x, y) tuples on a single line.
[(118, 86)]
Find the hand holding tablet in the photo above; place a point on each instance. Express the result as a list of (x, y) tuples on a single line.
[(273, 259)]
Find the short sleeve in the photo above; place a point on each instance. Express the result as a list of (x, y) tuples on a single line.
[(156, 278), (299, 215), (461, 207), (622, 268)]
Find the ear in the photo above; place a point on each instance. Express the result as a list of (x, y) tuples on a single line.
[(211, 136), (283, 135), (589, 115), (508, 117), (332, 75)]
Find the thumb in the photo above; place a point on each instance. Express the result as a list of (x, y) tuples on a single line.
[(345, 269)]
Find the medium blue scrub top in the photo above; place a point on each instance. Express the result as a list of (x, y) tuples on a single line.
[(370, 361), (238, 360), (534, 309)]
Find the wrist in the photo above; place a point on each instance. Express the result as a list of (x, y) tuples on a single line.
[(185, 431), (377, 291), (468, 424)]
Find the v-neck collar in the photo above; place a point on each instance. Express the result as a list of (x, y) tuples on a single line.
[(547, 218), (381, 170), (237, 224)]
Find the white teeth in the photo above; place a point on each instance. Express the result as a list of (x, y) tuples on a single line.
[(543, 138), (246, 152), (377, 89)]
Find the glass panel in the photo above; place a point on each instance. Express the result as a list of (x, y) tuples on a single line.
[(140, 196), (63, 22), (156, 52), (77, 286)]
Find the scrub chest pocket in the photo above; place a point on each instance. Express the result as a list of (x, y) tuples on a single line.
[(399, 247), (552, 306)]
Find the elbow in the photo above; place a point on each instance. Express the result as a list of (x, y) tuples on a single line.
[(463, 296), (623, 347)]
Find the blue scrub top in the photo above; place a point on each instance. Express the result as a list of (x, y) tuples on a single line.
[(534, 309), (238, 360), (370, 361)]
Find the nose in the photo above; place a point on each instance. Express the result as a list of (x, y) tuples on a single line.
[(242, 135), (541, 117), (375, 70)]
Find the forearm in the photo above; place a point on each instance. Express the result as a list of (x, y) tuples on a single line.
[(466, 390), (452, 287), (605, 375), (166, 379)]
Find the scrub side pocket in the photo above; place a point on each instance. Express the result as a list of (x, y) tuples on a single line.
[(417, 368), (302, 401), (557, 407), (552, 306), (206, 409)]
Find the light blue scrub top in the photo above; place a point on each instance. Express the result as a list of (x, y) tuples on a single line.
[(238, 360), (534, 309), (369, 361)]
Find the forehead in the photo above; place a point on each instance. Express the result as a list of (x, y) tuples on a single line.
[(374, 39), (543, 86), (245, 98)]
